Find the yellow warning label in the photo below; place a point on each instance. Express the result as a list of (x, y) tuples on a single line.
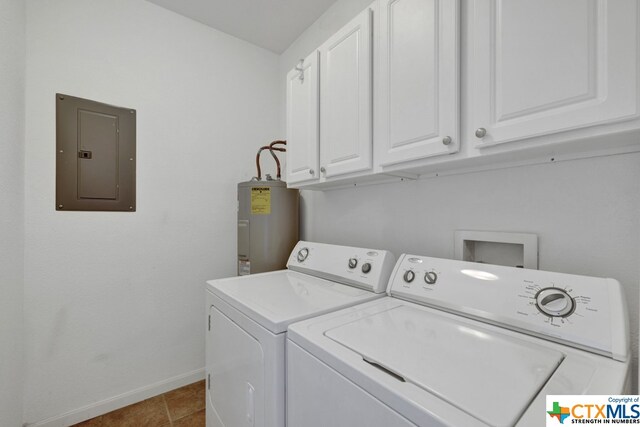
[(260, 201)]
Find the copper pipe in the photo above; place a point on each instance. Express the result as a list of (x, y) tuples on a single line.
[(271, 149)]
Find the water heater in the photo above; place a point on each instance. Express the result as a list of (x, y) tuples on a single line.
[(267, 225)]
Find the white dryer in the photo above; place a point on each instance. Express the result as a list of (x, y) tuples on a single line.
[(248, 317), (459, 344)]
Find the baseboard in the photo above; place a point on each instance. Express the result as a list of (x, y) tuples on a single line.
[(120, 401)]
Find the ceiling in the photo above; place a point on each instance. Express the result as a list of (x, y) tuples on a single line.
[(272, 24)]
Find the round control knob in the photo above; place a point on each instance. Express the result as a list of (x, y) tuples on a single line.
[(481, 132), (303, 254), (430, 277), (409, 276), (555, 302), (366, 267), (353, 263)]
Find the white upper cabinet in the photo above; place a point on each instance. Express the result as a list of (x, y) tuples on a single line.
[(346, 99), (382, 97), (417, 80), (538, 67), (302, 121)]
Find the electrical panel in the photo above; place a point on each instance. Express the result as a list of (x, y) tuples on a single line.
[(95, 156)]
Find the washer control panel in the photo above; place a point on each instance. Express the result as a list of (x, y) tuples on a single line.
[(361, 267), (586, 312)]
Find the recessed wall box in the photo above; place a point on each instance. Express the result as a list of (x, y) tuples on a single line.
[(493, 247), (95, 156)]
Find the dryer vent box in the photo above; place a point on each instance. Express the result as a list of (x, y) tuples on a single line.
[(95, 156), (492, 247)]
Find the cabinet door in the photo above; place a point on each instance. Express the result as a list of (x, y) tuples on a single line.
[(345, 98), (302, 121), (417, 96), (545, 66)]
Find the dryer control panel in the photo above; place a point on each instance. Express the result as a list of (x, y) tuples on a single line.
[(585, 312), (369, 269)]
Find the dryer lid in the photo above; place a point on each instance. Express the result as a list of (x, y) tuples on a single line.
[(491, 376)]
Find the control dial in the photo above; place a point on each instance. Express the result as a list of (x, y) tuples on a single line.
[(302, 254), (366, 267), (409, 276), (353, 263), (430, 277), (555, 302)]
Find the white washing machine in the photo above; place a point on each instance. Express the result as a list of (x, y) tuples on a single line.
[(459, 344), (248, 318)]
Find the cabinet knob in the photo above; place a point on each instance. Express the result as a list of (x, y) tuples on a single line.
[(323, 170), (481, 132), (312, 172), (446, 140)]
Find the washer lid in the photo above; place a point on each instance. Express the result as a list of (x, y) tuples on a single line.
[(490, 376), (276, 299)]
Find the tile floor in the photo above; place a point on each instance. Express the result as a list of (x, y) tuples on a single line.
[(183, 407)]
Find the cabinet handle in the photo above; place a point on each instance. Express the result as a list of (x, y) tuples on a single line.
[(312, 172), (323, 170), (481, 132), (446, 140)]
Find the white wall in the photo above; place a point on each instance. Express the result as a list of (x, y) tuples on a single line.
[(12, 58), (114, 302), (585, 212)]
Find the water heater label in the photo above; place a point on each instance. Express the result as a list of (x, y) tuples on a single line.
[(260, 201)]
